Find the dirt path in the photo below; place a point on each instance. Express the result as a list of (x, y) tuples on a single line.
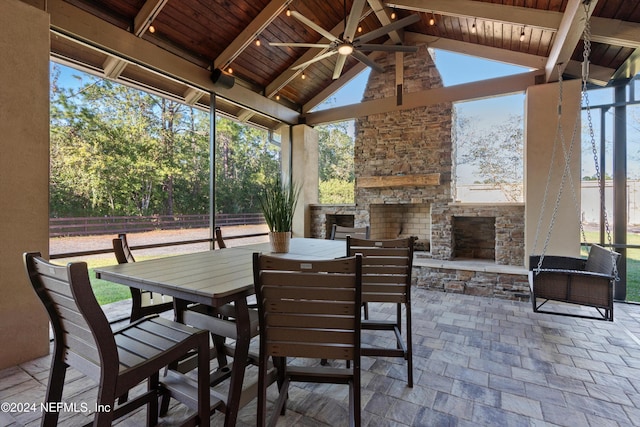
[(59, 245)]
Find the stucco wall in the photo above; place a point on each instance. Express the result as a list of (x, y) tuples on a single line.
[(24, 176)]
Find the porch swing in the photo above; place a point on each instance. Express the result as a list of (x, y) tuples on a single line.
[(585, 282)]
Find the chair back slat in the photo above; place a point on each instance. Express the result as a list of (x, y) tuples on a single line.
[(121, 249), (80, 327), (309, 308), (386, 268), (339, 232), (219, 238)]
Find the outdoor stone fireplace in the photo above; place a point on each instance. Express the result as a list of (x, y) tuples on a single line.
[(404, 169)]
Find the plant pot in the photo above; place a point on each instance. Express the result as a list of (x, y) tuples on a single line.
[(279, 241)]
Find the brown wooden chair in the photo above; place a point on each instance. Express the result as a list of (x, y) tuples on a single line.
[(143, 303), (386, 278), (339, 232), (308, 309), (118, 360), (219, 238)]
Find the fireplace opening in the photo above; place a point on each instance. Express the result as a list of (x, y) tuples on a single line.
[(399, 220), (474, 237), (343, 220)]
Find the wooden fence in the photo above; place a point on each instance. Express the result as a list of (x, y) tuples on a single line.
[(91, 226)]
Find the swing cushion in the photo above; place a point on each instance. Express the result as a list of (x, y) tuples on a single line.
[(575, 280)]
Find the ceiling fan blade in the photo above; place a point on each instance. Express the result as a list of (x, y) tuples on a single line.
[(386, 48), (316, 59), (354, 18), (318, 45), (309, 23), (366, 61), (379, 32), (339, 66)]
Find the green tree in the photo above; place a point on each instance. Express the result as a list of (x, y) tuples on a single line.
[(336, 165), (119, 151)]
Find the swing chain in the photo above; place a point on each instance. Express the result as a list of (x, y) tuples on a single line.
[(585, 99)]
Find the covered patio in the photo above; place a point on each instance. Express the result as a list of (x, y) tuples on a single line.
[(478, 361)]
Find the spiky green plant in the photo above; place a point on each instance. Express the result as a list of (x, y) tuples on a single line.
[(278, 203)]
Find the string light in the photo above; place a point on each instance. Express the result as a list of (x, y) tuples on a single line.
[(258, 43), (288, 12), (230, 70), (522, 35), (473, 27), (152, 29), (393, 14), (360, 29), (432, 20), (303, 76), (278, 97)]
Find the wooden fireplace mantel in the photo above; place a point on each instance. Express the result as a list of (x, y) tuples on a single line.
[(417, 180)]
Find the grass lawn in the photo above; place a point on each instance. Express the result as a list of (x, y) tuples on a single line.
[(633, 264), (107, 292)]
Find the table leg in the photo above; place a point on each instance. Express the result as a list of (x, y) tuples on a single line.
[(240, 358)]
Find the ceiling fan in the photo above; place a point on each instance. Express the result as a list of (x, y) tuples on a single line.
[(347, 45)]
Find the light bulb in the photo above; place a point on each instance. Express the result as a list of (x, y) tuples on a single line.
[(393, 14), (288, 12), (432, 20), (258, 43), (345, 49), (152, 29), (230, 70), (303, 76), (522, 36)]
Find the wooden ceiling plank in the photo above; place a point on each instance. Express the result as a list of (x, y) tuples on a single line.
[(250, 33), (569, 34), (143, 20)]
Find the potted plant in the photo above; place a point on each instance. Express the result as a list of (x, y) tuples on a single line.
[(278, 203)]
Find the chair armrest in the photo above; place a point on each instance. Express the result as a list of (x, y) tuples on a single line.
[(552, 262)]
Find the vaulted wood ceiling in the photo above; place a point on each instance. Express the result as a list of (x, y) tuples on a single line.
[(191, 38)]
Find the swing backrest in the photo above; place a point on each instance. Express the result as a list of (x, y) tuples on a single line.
[(601, 260)]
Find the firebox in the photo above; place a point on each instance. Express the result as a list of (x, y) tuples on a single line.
[(474, 237)]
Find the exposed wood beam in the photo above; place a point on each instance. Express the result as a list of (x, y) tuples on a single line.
[(250, 32), (149, 11), (615, 32), (597, 74), (379, 9), (522, 16), (191, 96), (630, 68), (569, 34), (463, 92), (480, 51), (113, 66), (82, 27)]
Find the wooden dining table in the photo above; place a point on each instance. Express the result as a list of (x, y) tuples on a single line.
[(215, 278)]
